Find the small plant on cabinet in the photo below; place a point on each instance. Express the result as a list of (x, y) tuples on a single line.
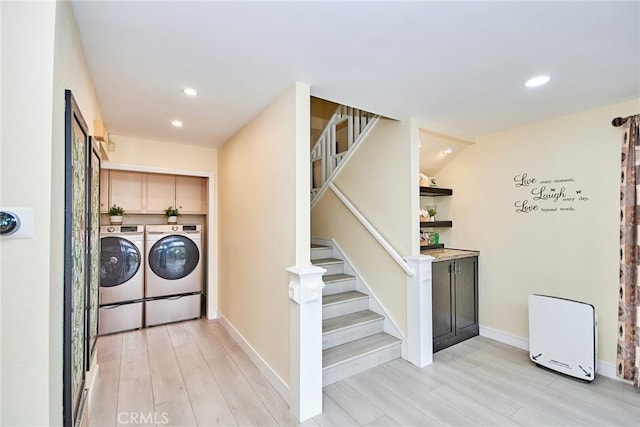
[(116, 211), (172, 214), (115, 214), (171, 211)]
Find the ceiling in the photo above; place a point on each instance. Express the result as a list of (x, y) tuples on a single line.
[(458, 65)]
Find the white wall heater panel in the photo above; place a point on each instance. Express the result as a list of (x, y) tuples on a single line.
[(563, 336)]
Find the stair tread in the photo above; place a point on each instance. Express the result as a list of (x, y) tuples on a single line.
[(326, 261), (342, 297), (330, 278), (316, 246), (351, 350), (348, 320)]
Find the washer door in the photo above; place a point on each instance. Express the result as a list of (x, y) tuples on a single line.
[(173, 257), (119, 261)]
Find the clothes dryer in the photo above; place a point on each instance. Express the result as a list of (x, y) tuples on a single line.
[(121, 278), (173, 283)]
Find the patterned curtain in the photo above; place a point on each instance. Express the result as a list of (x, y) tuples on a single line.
[(628, 354)]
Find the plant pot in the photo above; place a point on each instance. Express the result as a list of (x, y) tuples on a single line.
[(115, 219), (172, 219), (432, 219)]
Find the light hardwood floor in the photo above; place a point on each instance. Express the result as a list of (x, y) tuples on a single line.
[(193, 373)]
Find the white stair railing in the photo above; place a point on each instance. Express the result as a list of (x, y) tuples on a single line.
[(345, 129), (372, 230)]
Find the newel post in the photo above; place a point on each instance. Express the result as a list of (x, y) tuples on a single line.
[(305, 386), (419, 312)]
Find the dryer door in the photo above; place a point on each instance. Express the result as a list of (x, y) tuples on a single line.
[(119, 261), (173, 257)]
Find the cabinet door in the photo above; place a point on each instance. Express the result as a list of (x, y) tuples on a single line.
[(126, 190), (466, 298), (104, 190), (160, 192), (442, 293), (191, 194)]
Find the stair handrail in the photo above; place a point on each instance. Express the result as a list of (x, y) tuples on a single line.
[(372, 230), (359, 123)]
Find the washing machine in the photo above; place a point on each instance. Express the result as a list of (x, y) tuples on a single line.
[(121, 291), (173, 273)]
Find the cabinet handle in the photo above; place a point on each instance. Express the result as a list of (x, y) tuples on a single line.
[(454, 267)]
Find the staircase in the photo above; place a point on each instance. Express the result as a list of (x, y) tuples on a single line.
[(353, 339), (344, 131)]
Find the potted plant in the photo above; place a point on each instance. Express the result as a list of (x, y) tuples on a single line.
[(172, 214), (432, 213), (115, 214)]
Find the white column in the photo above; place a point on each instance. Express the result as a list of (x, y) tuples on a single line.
[(419, 312), (305, 384)]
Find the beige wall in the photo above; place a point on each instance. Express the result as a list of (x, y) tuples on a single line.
[(378, 180), (262, 227), (571, 254), (142, 152), (25, 170), (35, 72)]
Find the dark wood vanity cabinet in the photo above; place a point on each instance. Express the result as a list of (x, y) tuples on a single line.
[(455, 301)]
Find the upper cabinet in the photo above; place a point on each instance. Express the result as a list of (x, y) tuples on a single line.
[(152, 193), (161, 192), (126, 189), (191, 194)]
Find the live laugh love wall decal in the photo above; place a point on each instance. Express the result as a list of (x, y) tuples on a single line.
[(547, 195)]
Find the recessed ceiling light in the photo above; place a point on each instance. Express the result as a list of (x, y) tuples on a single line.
[(189, 91), (537, 81), (447, 151), (176, 123)]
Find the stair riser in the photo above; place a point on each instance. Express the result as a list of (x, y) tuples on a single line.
[(339, 287), (347, 307), (339, 372), (355, 332), (321, 253), (333, 268)]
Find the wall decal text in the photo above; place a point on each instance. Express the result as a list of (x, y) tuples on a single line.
[(547, 195)]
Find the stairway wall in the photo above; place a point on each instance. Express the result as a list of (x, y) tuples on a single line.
[(377, 179), (263, 223)]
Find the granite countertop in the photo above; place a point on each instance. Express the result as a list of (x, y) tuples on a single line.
[(449, 254)]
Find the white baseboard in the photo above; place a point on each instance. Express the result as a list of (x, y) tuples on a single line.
[(281, 387), (212, 315), (90, 379), (503, 337), (608, 370), (605, 369)]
